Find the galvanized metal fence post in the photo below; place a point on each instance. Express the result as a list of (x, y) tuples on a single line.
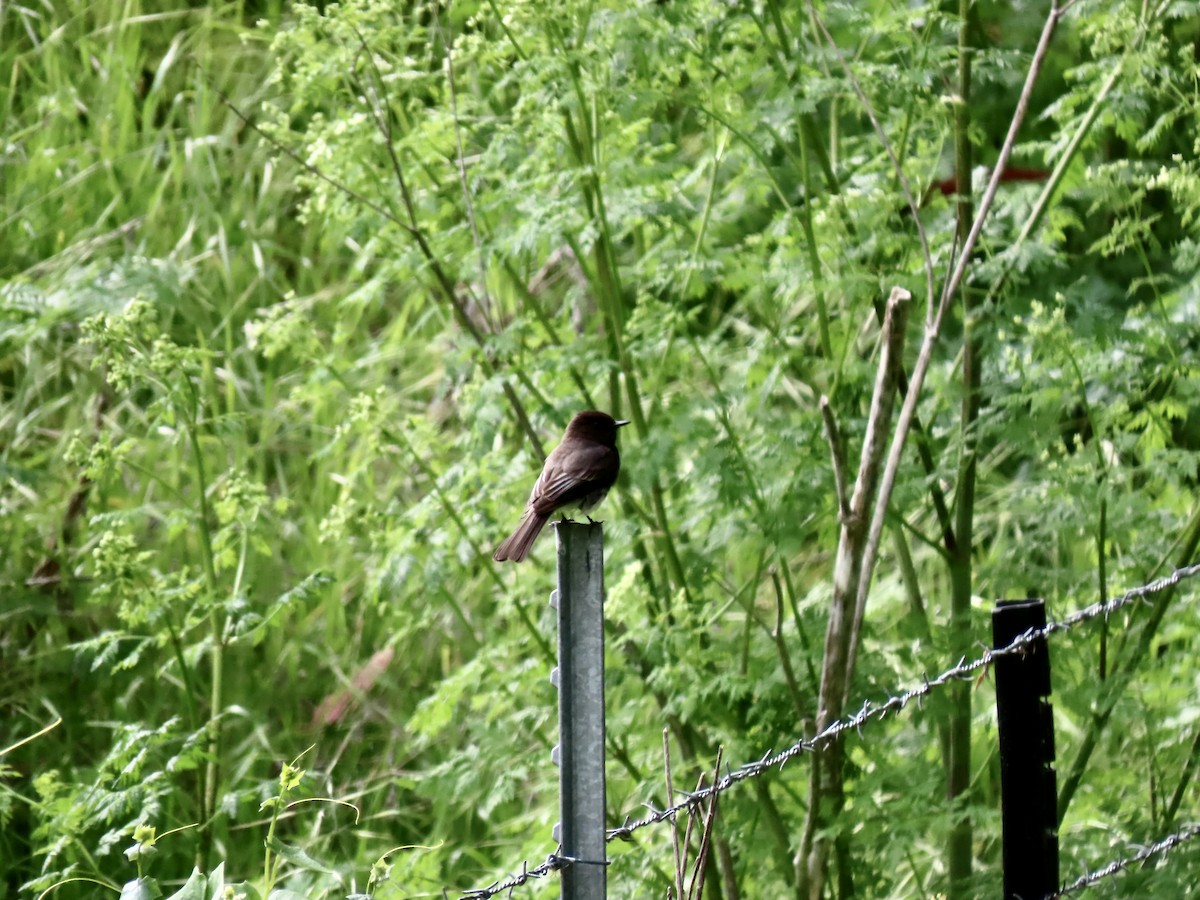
[(1028, 783), (580, 679)]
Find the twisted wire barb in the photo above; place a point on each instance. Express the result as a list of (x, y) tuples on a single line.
[(692, 800), (1186, 833), (552, 864)]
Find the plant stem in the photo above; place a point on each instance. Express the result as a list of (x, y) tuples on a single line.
[(583, 142), (216, 636), (843, 628), (1122, 674), (958, 774)]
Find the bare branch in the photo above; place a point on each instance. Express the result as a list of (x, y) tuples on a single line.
[(933, 325), (886, 384), (887, 380), (841, 629)]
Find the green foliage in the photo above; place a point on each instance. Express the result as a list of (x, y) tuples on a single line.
[(263, 405)]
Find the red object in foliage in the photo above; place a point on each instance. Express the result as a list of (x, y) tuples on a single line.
[(1012, 173), (330, 710)]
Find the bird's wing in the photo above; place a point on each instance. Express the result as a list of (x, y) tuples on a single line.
[(559, 486)]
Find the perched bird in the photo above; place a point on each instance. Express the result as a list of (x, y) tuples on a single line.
[(580, 471)]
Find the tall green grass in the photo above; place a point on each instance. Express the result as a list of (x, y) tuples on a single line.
[(258, 434)]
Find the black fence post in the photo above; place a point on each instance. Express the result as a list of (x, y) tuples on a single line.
[(1028, 783), (580, 679)]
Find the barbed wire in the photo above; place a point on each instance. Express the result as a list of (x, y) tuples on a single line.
[(1184, 834), (692, 800), (876, 711), (553, 863), (1188, 832)]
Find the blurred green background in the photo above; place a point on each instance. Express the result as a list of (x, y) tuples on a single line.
[(293, 299)]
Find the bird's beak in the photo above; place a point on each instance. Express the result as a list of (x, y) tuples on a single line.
[(621, 422)]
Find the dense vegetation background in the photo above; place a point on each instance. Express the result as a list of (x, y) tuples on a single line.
[(293, 299)]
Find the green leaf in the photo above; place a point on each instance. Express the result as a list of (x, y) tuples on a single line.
[(197, 887), (141, 889), (297, 856)]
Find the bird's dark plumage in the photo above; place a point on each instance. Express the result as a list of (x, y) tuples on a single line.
[(580, 471)]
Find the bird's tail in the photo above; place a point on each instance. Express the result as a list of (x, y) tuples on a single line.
[(516, 546)]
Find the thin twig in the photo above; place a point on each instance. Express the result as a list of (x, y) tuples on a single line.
[(410, 228), (909, 197), (700, 871), (310, 168), (985, 204), (680, 862), (933, 324), (461, 166), (837, 451)]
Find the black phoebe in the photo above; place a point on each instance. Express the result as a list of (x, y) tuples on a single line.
[(580, 470)]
